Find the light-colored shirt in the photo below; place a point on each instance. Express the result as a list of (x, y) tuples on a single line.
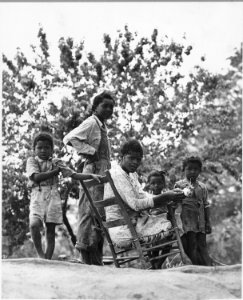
[(36, 165), (130, 190), (136, 199), (85, 138)]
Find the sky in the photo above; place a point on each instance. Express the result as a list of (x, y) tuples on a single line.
[(214, 29)]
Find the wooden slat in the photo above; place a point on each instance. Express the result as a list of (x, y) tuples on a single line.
[(128, 257), (105, 202), (164, 255), (158, 245), (121, 262), (114, 223)]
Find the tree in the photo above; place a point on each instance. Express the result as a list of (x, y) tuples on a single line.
[(154, 103)]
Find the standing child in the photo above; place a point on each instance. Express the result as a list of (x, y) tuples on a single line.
[(90, 140), (45, 202), (194, 213)]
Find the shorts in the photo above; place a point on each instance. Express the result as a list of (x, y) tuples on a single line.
[(46, 205)]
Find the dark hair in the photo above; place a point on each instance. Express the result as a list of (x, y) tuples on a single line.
[(192, 159), (99, 98), (131, 145), (43, 136), (156, 173)]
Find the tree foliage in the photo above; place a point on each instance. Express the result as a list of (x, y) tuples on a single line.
[(170, 113)]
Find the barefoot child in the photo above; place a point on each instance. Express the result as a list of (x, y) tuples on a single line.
[(45, 202), (90, 140), (194, 213)]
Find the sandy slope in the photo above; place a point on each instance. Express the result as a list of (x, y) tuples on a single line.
[(37, 278)]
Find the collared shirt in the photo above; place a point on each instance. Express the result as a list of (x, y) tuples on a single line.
[(131, 192), (85, 138), (192, 209), (36, 165)]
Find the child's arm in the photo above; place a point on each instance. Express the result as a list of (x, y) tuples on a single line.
[(208, 228), (68, 172), (34, 174), (38, 177), (83, 176)]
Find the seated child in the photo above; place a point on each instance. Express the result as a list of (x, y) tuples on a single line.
[(194, 213), (156, 185), (136, 200), (45, 202)]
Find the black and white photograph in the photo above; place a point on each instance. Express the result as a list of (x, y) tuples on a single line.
[(121, 170)]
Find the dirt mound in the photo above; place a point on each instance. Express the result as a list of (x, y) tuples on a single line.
[(42, 279)]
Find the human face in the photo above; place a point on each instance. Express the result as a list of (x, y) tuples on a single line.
[(105, 109), (43, 150), (131, 161), (192, 171), (156, 184)]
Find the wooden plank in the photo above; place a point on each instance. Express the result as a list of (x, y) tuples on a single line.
[(164, 255), (115, 223), (105, 202)]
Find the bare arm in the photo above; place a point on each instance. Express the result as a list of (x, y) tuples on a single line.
[(208, 228), (166, 197), (82, 176), (38, 177)]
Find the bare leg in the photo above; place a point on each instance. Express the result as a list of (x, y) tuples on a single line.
[(35, 227), (50, 240), (190, 246), (204, 258)]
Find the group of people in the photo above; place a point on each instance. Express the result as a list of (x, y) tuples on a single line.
[(148, 209)]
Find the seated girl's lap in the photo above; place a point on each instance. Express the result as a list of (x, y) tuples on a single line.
[(149, 228)]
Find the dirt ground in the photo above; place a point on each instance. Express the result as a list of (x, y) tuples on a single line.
[(41, 279)]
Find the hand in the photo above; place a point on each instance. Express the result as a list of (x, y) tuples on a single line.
[(96, 177), (92, 158), (208, 228), (178, 196), (174, 196), (57, 170)]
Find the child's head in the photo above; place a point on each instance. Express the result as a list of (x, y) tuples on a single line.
[(192, 167), (103, 105), (43, 145), (132, 154), (156, 181)]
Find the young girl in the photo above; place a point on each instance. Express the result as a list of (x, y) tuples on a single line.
[(194, 213), (45, 202), (90, 141), (156, 185)]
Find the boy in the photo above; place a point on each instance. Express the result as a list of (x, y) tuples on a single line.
[(195, 213)]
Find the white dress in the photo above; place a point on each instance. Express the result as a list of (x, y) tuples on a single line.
[(133, 195)]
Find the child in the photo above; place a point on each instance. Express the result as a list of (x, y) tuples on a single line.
[(156, 185), (194, 213), (90, 140), (45, 201)]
